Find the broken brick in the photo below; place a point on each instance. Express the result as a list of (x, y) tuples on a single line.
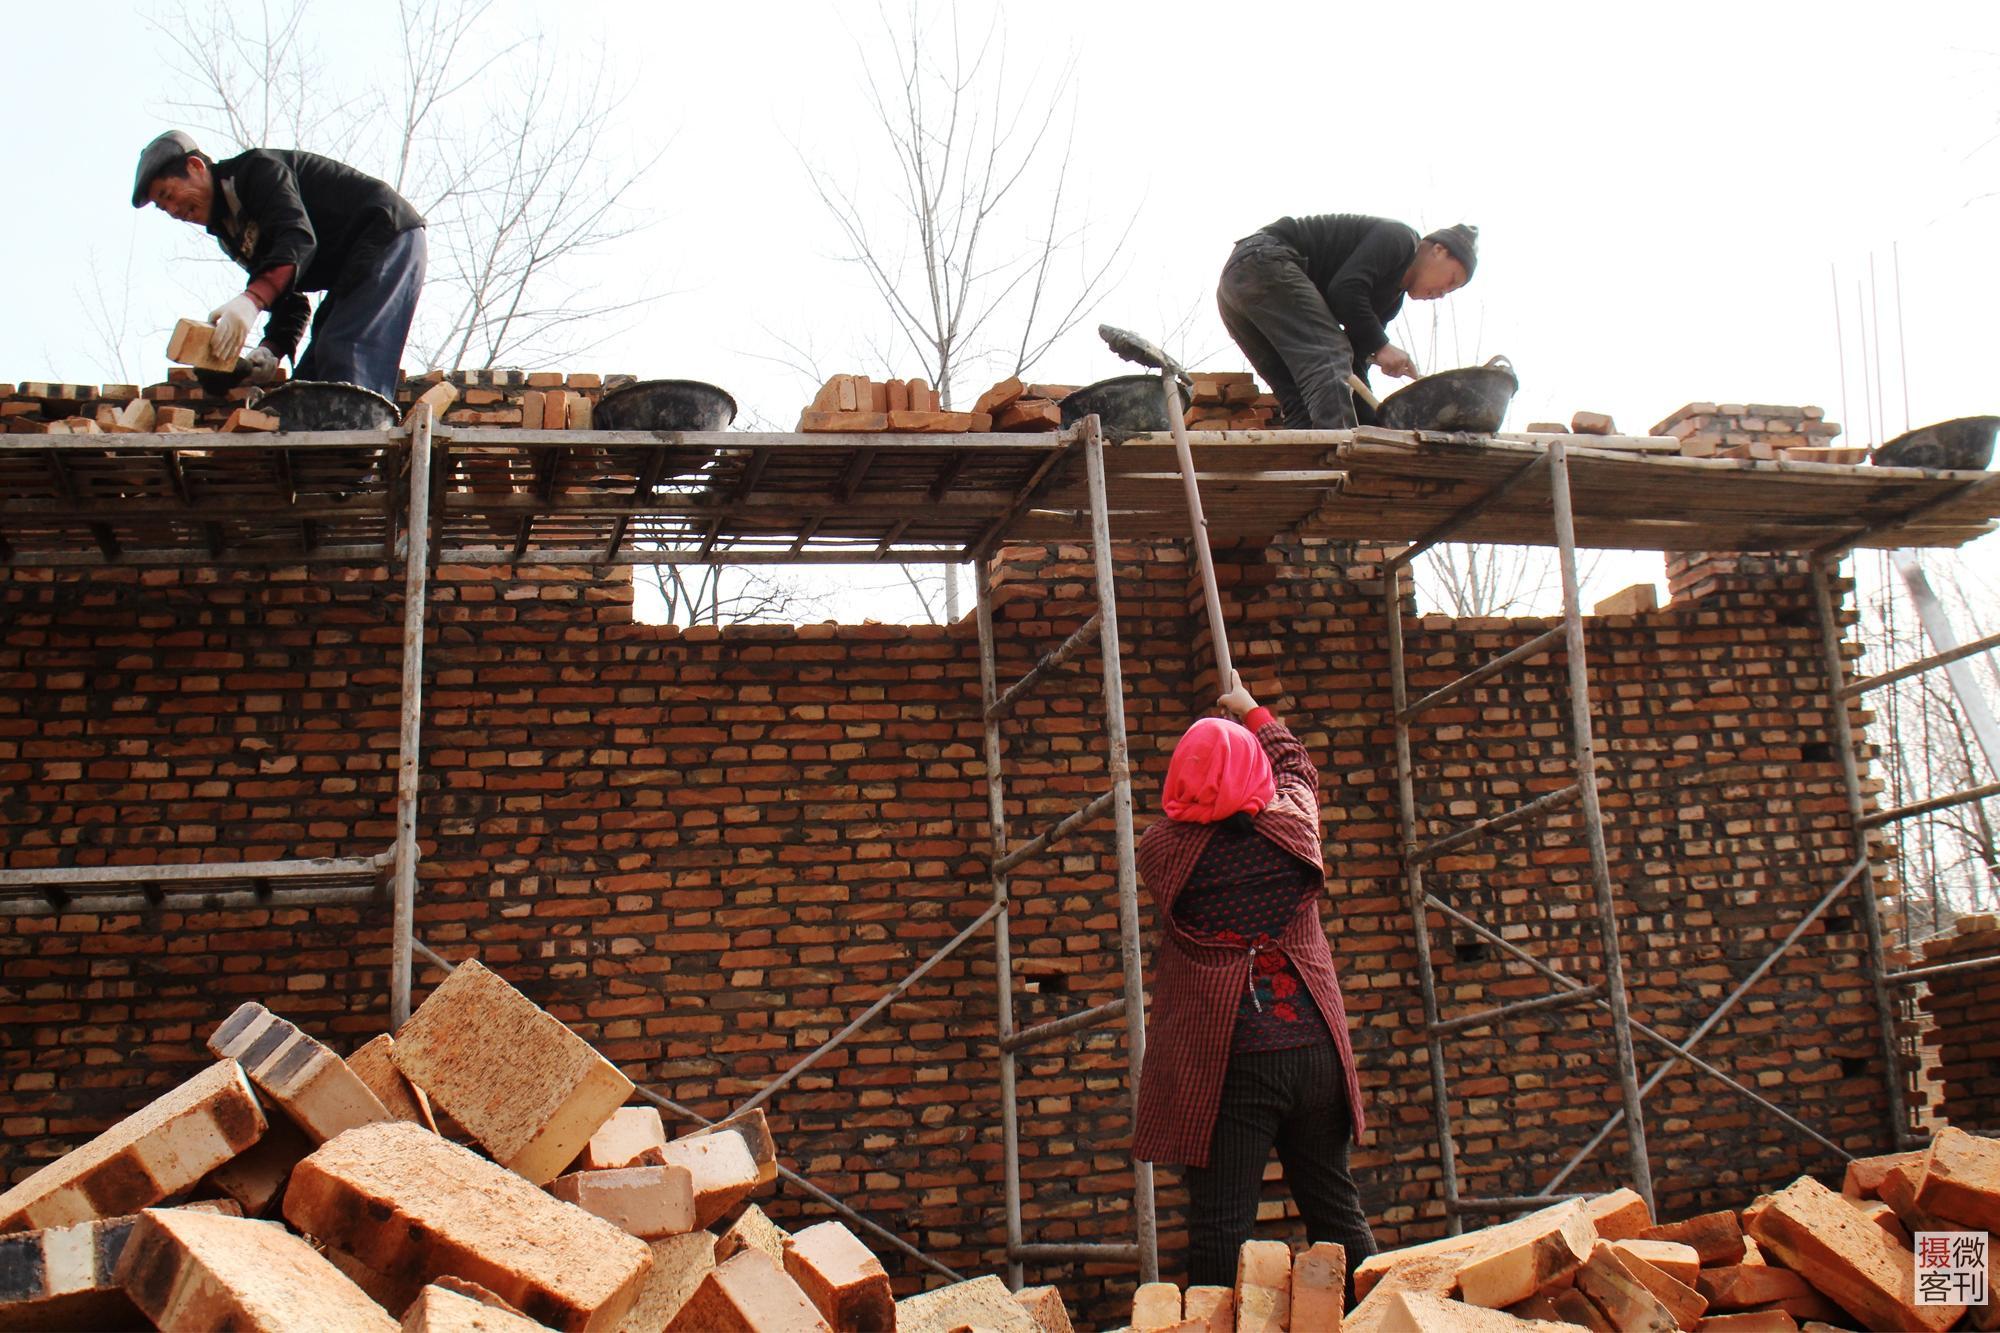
[(747, 1293), (845, 1282)]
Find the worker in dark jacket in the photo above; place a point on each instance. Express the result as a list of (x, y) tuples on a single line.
[(1309, 301), (298, 222), (1247, 1046)]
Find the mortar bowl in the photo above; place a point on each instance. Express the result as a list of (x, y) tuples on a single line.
[(1472, 399), (1125, 405), (1961, 444)]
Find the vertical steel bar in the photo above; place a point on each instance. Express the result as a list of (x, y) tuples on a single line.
[(416, 577), (1413, 877), (1584, 750), (1129, 953), (1003, 944), (1850, 770), (1217, 633)]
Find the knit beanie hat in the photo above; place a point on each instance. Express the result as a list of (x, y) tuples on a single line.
[(1462, 241)]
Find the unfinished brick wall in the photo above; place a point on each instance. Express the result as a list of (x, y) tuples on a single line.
[(1964, 1009), (707, 850)]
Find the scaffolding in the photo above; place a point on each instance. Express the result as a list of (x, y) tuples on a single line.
[(423, 495)]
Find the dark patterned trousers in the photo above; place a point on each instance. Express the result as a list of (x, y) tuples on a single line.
[(1295, 1101)]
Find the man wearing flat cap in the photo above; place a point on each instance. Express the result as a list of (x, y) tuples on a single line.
[(1308, 300), (298, 222)]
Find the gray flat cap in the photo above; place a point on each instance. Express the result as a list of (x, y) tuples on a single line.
[(163, 152)]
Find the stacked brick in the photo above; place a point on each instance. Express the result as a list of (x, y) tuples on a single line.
[(1964, 1009), (623, 813), (1229, 401), (1757, 431), (386, 1222)]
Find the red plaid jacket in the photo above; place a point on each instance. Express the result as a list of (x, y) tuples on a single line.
[(1197, 985)]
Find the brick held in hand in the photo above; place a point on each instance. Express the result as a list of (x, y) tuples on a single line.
[(189, 345), (842, 1278), (150, 1155), (189, 1270), (66, 1277), (407, 1203), (313, 1085), (748, 1294), (528, 1089)]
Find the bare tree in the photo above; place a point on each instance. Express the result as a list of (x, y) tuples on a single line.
[(980, 262), (729, 594), (1948, 860), (1483, 580), (515, 187)]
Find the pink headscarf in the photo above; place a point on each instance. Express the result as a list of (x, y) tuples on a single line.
[(1217, 769)]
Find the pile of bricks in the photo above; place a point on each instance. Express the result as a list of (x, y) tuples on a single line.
[(1757, 431), (37, 408), (478, 1171), (857, 403), (1964, 1008), (1801, 1258), (1230, 401)]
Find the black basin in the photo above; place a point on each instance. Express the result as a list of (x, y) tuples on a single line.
[(316, 405), (661, 405), (1963, 444), (1125, 405), (665, 405), (1472, 398)]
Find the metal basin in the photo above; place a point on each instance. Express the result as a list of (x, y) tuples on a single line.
[(317, 405), (665, 405), (1125, 405), (1471, 398), (678, 405), (1963, 444)]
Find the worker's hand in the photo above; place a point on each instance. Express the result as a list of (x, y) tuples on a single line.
[(1393, 360), (263, 363), (232, 320), (1237, 702)]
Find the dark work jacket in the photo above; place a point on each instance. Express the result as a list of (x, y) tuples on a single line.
[(1198, 983), (1358, 263), (276, 206)]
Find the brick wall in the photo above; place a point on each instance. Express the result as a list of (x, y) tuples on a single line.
[(707, 849), (1964, 1009)]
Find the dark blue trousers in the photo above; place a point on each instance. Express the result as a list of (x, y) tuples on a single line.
[(358, 335), (1295, 1101)]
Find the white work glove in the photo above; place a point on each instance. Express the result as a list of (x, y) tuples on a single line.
[(232, 320), (263, 364)]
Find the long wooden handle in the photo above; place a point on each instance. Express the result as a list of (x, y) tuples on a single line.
[(1217, 634), (1360, 387)]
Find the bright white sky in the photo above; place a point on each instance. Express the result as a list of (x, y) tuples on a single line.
[(1662, 192)]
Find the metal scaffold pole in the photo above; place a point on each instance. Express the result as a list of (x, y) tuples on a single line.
[(1003, 956), (1839, 721), (1584, 753), (1406, 806), (1130, 953), (416, 577)]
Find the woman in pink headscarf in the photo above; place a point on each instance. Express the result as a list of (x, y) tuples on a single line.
[(1247, 1045)]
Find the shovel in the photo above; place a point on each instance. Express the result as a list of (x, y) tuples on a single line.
[(1132, 347)]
